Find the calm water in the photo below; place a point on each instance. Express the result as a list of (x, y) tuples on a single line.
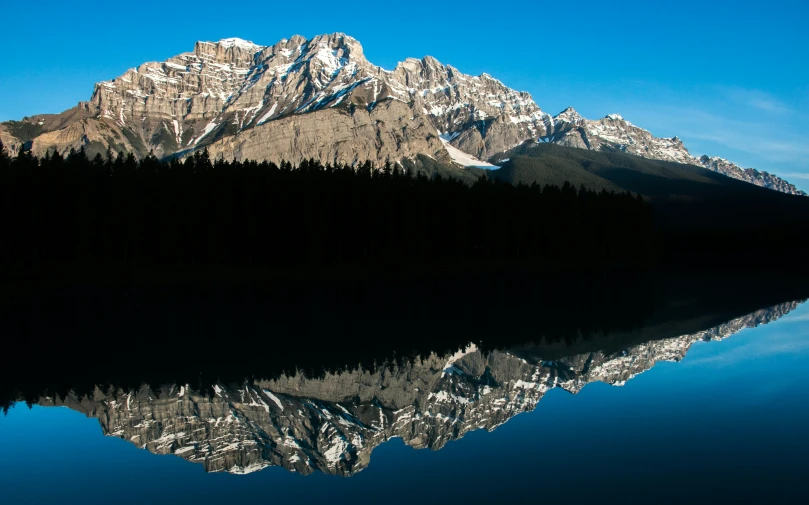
[(725, 421)]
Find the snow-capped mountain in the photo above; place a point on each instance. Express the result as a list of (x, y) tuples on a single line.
[(321, 98), (332, 424)]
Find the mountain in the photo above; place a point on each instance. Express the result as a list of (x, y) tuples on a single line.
[(615, 134), (321, 98), (687, 198), (331, 424), (751, 175), (297, 99), (597, 169)]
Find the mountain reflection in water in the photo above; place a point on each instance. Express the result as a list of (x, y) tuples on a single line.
[(332, 423)]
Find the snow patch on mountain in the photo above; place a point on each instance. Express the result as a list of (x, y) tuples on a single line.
[(463, 159), (236, 42)]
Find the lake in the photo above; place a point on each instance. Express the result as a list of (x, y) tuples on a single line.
[(635, 414)]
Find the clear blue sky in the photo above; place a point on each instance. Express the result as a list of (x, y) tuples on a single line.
[(731, 78)]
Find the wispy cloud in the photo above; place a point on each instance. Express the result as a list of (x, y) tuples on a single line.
[(767, 140), (796, 175), (776, 345), (750, 137), (756, 99)]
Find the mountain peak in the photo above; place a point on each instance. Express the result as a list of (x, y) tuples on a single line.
[(231, 50), (431, 61), (296, 40), (419, 65), (569, 115), (336, 40), (237, 42)]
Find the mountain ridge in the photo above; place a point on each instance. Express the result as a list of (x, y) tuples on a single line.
[(321, 98)]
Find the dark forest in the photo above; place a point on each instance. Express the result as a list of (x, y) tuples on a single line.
[(121, 213)]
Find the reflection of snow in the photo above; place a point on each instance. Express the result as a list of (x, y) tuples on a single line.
[(274, 398), (252, 467), (458, 355), (335, 452)]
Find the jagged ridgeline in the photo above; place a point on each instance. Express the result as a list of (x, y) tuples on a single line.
[(321, 98)]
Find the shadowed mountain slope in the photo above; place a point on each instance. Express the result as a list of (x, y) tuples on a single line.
[(686, 196)]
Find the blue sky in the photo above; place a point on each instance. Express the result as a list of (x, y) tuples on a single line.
[(731, 78)]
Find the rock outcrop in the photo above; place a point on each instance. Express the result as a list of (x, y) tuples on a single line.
[(10, 143), (331, 424)]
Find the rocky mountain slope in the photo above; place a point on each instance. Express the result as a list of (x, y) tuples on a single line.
[(751, 175), (332, 424), (614, 133), (322, 98)]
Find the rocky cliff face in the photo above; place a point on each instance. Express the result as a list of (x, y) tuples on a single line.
[(297, 99), (332, 424), (322, 98), (614, 133), (10, 143)]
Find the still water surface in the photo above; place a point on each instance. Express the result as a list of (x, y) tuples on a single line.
[(726, 423)]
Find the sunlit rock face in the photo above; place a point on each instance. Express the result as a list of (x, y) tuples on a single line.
[(614, 133), (331, 424), (299, 98), (321, 98)]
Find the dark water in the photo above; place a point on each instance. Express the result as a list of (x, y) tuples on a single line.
[(702, 406)]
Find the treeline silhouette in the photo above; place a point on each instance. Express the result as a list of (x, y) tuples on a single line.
[(202, 333), (119, 211)]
